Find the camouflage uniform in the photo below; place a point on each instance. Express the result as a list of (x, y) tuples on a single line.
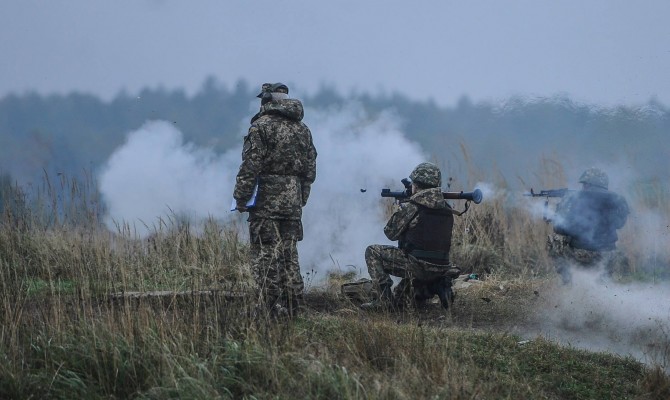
[(565, 256), (279, 155), (585, 225), (405, 261)]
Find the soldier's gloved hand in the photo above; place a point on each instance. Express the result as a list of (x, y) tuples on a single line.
[(396, 207)]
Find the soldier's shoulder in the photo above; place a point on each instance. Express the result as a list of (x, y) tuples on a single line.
[(264, 122), (615, 197), (623, 203), (408, 207), (264, 119)]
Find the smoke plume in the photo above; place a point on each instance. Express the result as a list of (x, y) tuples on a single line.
[(156, 174), (600, 315)]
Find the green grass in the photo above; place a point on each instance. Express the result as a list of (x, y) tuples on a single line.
[(317, 356), (42, 287)]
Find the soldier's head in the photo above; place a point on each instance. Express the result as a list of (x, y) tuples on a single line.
[(273, 91), (594, 178), (426, 175)]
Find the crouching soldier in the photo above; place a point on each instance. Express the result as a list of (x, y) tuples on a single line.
[(585, 227), (423, 228)]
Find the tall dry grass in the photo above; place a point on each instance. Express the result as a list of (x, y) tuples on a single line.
[(61, 330), (63, 334)]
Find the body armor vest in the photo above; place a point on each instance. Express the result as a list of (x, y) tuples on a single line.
[(430, 238)]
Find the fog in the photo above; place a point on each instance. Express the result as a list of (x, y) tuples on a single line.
[(596, 51)]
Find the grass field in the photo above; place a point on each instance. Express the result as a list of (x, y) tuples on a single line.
[(66, 335)]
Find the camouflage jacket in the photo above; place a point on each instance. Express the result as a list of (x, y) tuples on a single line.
[(590, 219), (406, 217), (278, 153)]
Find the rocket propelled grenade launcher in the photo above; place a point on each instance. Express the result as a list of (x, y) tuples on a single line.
[(475, 196)]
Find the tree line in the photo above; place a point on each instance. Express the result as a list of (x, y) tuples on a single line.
[(75, 132)]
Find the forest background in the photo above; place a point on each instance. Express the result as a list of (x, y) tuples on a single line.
[(78, 132)]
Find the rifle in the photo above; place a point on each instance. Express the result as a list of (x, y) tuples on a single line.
[(475, 196), (547, 194)]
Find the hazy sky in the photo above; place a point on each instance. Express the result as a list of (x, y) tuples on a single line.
[(604, 51)]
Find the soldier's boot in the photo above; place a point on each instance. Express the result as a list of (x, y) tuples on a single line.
[(383, 302), (445, 292), (276, 306), (280, 312)]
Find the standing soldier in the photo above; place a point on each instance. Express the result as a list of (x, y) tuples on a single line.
[(585, 226), (277, 171)]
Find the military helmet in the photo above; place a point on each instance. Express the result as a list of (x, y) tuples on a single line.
[(595, 177), (427, 174), (272, 88)]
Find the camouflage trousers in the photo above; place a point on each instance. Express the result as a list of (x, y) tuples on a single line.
[(565, 257), (274, 259), (384, 260)]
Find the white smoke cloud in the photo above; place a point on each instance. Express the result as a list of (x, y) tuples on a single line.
[(652, 233), (156, 174), (355, 152), (596, 314), (490, 191)]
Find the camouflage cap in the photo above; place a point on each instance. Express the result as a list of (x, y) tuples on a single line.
[(427, 174), (273, 88), (595, 177)]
